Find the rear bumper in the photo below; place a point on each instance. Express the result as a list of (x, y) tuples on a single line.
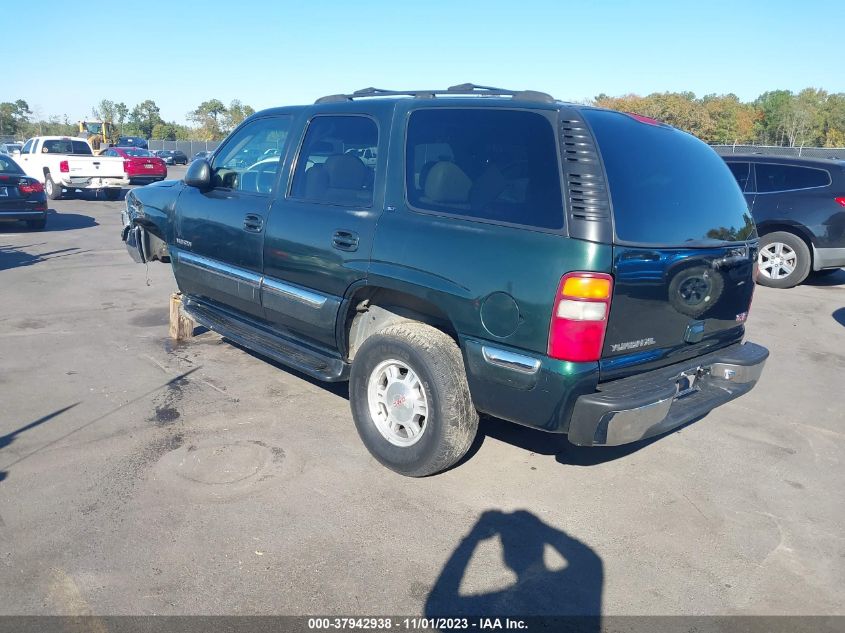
[(828, 258), (23, 214), (97, 182), (635, 408)]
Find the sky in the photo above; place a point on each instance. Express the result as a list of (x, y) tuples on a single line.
[(180, 53)]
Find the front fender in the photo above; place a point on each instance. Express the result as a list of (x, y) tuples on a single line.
[(148, 220)]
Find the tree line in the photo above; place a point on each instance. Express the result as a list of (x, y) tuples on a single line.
[(811, 117), (212, 120)]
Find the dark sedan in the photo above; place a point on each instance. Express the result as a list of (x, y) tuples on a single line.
[(172, 156), (21, 197)]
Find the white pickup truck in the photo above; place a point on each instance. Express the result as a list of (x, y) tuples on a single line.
[(63, 162)]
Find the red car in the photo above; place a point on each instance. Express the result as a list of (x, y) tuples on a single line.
[(139, 164)]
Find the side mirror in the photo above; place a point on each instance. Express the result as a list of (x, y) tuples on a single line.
[(199, 175)]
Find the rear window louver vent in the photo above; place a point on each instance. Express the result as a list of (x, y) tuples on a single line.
[(588, 203)]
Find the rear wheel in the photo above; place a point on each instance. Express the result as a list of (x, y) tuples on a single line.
[(36, 225), (53, 191), (783, 260), (410, 399), (112, 194)]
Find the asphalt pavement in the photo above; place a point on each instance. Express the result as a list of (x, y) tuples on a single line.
[(142, 477)]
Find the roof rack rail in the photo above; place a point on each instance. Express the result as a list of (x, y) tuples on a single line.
[(460, 89)]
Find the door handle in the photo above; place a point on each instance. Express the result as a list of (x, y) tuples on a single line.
[(345, 240), (253, 223)]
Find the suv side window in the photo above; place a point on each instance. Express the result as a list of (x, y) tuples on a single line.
[(27, 147), (741, 172), (329, 169), (772, 177), (489, 164), (250, 158)]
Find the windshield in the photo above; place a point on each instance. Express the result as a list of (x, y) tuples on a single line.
[(667, 187)]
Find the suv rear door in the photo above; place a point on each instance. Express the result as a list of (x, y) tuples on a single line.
[(683, 250), (320, 230)]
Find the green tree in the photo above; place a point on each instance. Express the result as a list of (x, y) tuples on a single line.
[(164, 131), (13, 117), (207, 116), (235, 114), (144, 117)]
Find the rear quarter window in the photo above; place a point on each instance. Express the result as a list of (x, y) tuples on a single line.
[(772, 178), (488, 164), (667, 187)]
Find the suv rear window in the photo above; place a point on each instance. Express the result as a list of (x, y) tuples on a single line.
[(667, 187), (498, 165), (772, 177)]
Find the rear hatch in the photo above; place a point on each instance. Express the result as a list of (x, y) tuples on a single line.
[(684, 246)]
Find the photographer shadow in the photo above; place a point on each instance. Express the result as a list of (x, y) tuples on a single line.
[(573, 589)]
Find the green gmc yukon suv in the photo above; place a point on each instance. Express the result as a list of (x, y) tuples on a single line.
[(564, 267)]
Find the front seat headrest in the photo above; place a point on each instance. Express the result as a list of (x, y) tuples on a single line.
[(346, 171), (446, 182)]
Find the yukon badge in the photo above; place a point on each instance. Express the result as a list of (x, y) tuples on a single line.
[(184, 243), (621, 347)]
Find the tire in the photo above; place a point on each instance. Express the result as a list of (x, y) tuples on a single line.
[(53, 191), (783, 260), (695, 290), (112, 194), (36, 225), (450, 422)]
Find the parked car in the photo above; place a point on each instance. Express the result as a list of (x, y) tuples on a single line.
[(172, 156), (63, 162), (799, 207), (202, 154), (21, 197), (139, 165), (132, 141), (11, 149), (556, 265)]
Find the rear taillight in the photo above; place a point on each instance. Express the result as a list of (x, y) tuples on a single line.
[(579, 318), (126, 165), (64, 167), (840, 201), (30, 186)]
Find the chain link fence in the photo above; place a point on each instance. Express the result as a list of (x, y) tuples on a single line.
[(776, 150), (188, 147)]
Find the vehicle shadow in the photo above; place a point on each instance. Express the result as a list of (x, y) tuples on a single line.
[(7, 439), (839, 316), (573, 588), (93, 196), (55, 222), (16, 256), (836, 278)]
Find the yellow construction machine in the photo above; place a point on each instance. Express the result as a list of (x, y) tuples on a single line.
[(99, 134)]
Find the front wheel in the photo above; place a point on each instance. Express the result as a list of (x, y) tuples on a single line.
[(53, 191), (783, 260), (410, 399)]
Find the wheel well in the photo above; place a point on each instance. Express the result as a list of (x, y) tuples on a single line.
[(797, 231), (372, 308)]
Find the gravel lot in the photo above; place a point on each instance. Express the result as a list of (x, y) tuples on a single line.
[(140, 478)]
